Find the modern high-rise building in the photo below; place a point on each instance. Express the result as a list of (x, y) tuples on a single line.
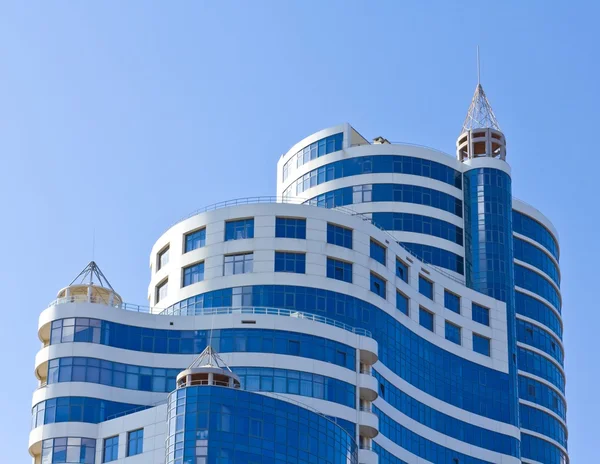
[(392, 304)]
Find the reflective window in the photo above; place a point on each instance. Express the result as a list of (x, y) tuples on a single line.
[(451, 301), (541, 422), (408, 222), (385, 457), (443, 423), (533, 255), (453, 333), (195, 240), (195, 341), (540, 450), (162, 290), (540, 339), (69, 450), (401, 303), (193, 274), (409, 356), (388, 193), (80, 409), (529, 227), (111, 449), (163, 258), (313, 151), (378, 252), (239, 229), (290, 228), (534, 282), (296, 383), (339, 270), (418, 445), (481, 344), (536, 364), (135, 442), (480, 314), (532, 307), (378, 285), (287, 432), (542, 394), (401, 270), (436, 256), (375, 164), (286, 261), (238, 264), (426, 287), (426, 319), (338, 235)]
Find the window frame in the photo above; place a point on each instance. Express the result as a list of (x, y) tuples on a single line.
[(458, 297), (286, 226), (376, 245), (422, 311), (185, 268), (187, 235), (335, 261), (422, 278), (248, 230), (489, 344), (406, 266), (374, 275), (244, 261), (164, 251), (112, 446), (159, 286), (485, 311), (283, 256), (401, 294), (452, 324), (336, 232)]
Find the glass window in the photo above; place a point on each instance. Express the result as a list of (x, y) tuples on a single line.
[(239, 229), (338, 235), (290, 228), (163, 258), (401, 270), (481, 344), (451, 301), (193, 274), (426, 319), (378, 252), (135, 442), (453, 333), (426, 287), (401, 303), (377, 285), (111, 449), (286, 261), (362, 193), (480, 314), (238, 264), (161, 290), (69, 450), (195, 240), (339, 270)]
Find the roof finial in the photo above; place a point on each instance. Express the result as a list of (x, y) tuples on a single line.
[(478, 68)]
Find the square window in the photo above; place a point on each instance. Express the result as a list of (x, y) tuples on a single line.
[(286, 261), (426, 287), (426, 319), (451, 301), (401, 303), (238, 264), (401, 270), (378, 252), (163, 258), (481, 344), (480, 314), (239, 229), (162, 290), (377, 285), (193, 274), (338, 235), (339, 270), (111, 449), (453, 333), (135, 442), (195, 240), (290, 228)]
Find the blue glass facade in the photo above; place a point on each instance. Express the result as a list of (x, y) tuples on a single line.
[(230, 426), (407, 222), (69, 450), (313, 151), (437, 256), (529, 227)]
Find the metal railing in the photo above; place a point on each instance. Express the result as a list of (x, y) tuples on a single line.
[(365, 409), (206, 382)]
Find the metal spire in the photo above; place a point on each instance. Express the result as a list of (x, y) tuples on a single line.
[(209, 358), (90, 273)]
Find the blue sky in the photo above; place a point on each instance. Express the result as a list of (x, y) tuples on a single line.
[(122, 117)]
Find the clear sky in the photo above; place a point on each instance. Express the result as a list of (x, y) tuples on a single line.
[(125, 116)]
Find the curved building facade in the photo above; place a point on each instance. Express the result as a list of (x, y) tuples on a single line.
[(393, 304)]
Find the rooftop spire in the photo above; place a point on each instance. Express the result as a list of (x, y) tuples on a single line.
[(480, 114), (209, 358), (90, 274)]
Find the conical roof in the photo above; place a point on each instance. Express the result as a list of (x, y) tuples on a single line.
[(92, 275), (480, 114), (209, 358)]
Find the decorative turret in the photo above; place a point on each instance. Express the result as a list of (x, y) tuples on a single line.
[(480, 135), (208, 369), (91, 286)]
